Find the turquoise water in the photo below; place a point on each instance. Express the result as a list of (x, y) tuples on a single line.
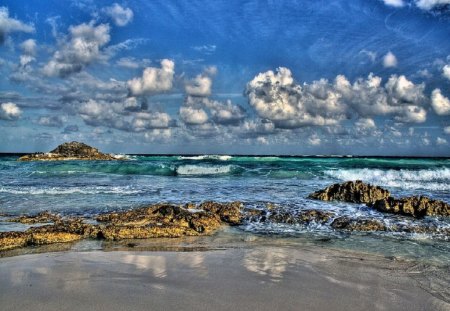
[(91, 187)]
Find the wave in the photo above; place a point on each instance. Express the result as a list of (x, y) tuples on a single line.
[(207, 157), (428, 179), (204, 170), (71, 190)]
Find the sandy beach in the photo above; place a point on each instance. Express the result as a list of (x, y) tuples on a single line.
[(256, 277)]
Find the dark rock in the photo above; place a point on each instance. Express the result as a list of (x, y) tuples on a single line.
[(356, 224), (69, 151), (355, 192), (413, 206), (303, 217)]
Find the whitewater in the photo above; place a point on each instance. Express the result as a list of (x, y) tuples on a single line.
[(85, 188)]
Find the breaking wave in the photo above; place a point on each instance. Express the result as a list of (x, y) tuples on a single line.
[(428, 179), (204, 170)]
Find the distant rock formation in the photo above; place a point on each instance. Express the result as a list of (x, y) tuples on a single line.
[(355, 192), (69, 151), (381, 199)]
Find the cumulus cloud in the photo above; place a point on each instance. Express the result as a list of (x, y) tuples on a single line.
[(446, 71), (394, 3), (9, 25), (199, 86), (431, 4), (225, 112), (51, 121), (440, 103), (118, 115), (29, 47), (153, 80), (447, 130), (9, 111), (120, 15), (277, 97), (82, 48), (364, 124), (441, 141), (389, 60), (193, 116)]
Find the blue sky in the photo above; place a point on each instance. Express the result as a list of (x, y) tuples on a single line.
[(367, 77)]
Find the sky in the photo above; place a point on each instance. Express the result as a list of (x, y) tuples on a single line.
[(360, 77)]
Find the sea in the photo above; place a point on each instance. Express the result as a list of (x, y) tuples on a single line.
[(86, 188)]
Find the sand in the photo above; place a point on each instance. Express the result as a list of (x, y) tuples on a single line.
[(243, 278)]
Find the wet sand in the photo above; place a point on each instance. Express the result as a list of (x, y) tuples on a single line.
[(255, 278)]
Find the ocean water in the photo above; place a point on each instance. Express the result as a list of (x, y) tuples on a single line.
[(90, 187)]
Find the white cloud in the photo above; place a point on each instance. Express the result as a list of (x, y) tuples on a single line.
[(29, 47), (440, 103), (120, 15), (447, 130), (83, 48), (225, 113), (153, 80), (446, 71), (365, 124), (193, 116), (25, 60), (394, 3), (9, 111), (441, 141), (9, 25), (430, 4), (276, 97), (389, 60), (199, 86), (314, 140), (132, 63), (51, 121)]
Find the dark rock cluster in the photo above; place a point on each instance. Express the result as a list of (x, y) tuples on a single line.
[(69, 151), (381, 199)]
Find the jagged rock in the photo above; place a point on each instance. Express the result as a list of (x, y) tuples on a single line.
[(355, 192), (355, 224), (43, 217), (10, 240), (414, 206), (228, 212), (69, 151)]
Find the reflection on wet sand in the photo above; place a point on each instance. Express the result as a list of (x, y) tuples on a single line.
[(267, 262)]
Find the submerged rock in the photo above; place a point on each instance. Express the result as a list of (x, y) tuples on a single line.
[(355, 192), (358, 224), (416, 206), (69, 151), (303, 217)]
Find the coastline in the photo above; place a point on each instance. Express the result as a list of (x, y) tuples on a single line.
[(250, 274)]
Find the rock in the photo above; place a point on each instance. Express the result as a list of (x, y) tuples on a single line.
[(304, 217), (43, 217), (416, 206), (69, 151), (228, 212), (355, 192), (357, 224), (10, 240)]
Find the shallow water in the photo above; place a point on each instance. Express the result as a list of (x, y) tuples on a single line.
[(92, 187)]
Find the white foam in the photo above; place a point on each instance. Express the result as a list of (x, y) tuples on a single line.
[(206, 157), (73, 190), (203, 170), (432, 179)]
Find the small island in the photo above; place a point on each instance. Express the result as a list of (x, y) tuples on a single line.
[(69, 151)]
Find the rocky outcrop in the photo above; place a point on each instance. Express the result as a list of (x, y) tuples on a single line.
[(355, 192), (69, 151), (416, 206), (160, 220), (381, 200)]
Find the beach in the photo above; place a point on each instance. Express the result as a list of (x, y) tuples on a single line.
[(257, 274)]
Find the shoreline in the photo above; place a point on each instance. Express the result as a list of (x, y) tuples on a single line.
[(259, 276)]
